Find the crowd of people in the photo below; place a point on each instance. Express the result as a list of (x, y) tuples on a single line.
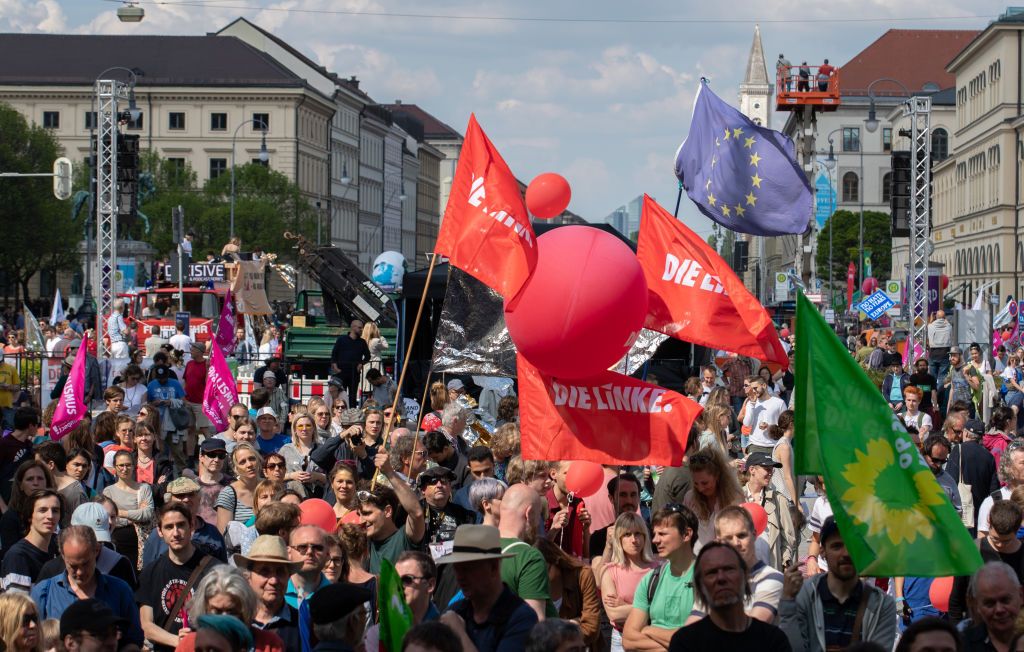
[(146, 528)]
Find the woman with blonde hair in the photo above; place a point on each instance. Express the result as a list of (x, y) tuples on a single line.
[(715, 486), (376, 343), (631, 559), (438, 401), (505, 444), (715, 428), (235, 502), (301, 473), (19, 623)]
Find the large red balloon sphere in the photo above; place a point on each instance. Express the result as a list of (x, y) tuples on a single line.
[(869, 285), (584, 478), (944, 282), (548, 195), (939, 592), (758, 515), (318, 512), (582, 307)]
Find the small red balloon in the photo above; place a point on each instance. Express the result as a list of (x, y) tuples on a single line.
[(939, 592), (944, 281), (582, 307), (548, 195), (869, 285), (758, 515), (584, 478), (784, 332), (320, 513)]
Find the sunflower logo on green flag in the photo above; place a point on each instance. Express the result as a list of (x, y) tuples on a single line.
[(894, 517), (395, 614)]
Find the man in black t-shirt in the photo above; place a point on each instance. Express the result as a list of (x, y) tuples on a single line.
[(16, 447), (162, 583), (720, 577), (349, 354), (925, 382)]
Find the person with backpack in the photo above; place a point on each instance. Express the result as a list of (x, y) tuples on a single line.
[(664, 597)]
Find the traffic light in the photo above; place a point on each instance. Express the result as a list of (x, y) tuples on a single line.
[(899, 193), (740, 253), (62, 178)]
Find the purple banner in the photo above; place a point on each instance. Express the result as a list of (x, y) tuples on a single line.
[(71, 406), (226, 326), (220, 393)]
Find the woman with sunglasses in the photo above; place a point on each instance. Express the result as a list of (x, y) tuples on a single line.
[(317, 408), (301, 472), (631, 559), (338, 406), (135, 508), (135, 393), (20, 628), (235, 502)]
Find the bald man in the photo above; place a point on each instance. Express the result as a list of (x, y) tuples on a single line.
[(525, 572), (940, 339)]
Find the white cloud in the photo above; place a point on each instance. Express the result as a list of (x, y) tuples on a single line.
[(28, 16), (383, 76)]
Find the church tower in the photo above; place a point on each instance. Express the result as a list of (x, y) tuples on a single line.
[(756, 89)]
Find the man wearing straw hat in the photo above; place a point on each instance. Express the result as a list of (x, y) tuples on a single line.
[(489, 615), (268, 568)]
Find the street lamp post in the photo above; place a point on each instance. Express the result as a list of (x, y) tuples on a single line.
[(264, 156)]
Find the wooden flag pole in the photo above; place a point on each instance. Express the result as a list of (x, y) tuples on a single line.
[(405, 363)]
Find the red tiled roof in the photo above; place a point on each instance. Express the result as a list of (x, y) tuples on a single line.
[(432, 127), (912, 56)]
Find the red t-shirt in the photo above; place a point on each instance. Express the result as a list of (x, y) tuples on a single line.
[(195, 381)]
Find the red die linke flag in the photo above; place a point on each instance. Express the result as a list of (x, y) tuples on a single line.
[(486, 229), (694, 296), (607, 419)]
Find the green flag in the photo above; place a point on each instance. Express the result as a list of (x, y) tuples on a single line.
[(395, 615), (895, 518)]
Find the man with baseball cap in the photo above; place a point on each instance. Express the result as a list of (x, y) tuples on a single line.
[(82, 581), (268, 568), (338, 614), (780, 535), (205, 536), (268, 437), (489, 615), (92, 625), (456, 388), (213, 453), (832, 610)]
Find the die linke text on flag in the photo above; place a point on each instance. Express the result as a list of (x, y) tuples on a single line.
[(486, 229), (743, 176), (694, 296), (608, 419)]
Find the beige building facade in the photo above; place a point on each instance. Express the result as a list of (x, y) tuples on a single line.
[(976, 192)]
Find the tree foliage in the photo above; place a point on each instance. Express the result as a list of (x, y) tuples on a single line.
[(845, 246), (38, 232), (267, 204)]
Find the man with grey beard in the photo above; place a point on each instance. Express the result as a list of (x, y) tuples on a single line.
[(526, 572)]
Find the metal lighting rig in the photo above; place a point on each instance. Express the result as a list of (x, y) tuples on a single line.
[(918, 109)]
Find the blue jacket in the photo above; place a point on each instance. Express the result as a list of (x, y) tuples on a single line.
[(887, 384), (52, 596)]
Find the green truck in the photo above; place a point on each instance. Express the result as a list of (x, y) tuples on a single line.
[(320, 316)]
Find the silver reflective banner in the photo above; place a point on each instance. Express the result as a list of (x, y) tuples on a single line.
[(471, 334)]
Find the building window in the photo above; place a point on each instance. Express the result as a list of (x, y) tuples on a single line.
[(261, 121), (851, 187), (176, 168), (51, 119), (176, 120), (90, 119), (940, 144), (257, 161), (886, 187), (218, 166), (851, 139), (886, 139), (136, 124), (218, 122)]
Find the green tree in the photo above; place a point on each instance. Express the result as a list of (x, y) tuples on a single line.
[(845, 246), (38, 233)]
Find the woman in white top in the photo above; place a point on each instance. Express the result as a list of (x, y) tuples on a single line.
[(135, 393), (714, 486), (299, 469), (377, 344), (135, 508)]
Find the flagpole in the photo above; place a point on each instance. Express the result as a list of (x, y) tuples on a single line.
[(423, 402), (405, 363), (679, 198)]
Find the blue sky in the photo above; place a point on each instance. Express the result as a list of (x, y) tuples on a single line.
[(605, 100)]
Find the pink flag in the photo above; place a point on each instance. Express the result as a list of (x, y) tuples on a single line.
[(71, 406), (226, 325), (220, 393)]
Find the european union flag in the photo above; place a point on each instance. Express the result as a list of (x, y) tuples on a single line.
[(743, 176)]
